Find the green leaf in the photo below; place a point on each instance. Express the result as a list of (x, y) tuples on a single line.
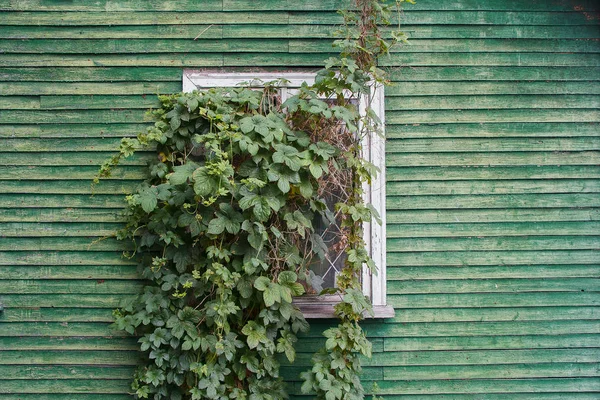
[(262, 283), (148, 199), (216, 226), (182, 173), (255, 334), (204, 183), (272, 294), (287, 155)]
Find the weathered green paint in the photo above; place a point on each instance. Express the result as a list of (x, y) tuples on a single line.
[(493, 186)]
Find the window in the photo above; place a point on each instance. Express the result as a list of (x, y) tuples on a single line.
[(374, 286)]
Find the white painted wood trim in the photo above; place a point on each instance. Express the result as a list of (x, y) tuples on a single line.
[(374, 286), (377, 194)]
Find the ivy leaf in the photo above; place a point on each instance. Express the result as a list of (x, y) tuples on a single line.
[(204, 183), (148, 199), (182, 258), (285, 344), (231, 217), (262, 283), (190, 221), (262, 209), (283, 176), (287, 155), (288, 280), (255, 334), (258, 124), (272, 294), (216, 226), (357, 300), (182, 173)]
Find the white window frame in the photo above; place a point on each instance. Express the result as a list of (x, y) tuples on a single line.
[(374, 286)]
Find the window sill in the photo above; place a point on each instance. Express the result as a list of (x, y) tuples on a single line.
[(321, 307)]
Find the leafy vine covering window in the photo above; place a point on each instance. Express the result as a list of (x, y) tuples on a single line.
[(225, 233), (330, 262)]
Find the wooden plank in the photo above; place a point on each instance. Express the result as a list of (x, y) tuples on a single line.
[(70, 159), (27, 373), (52, 201), (58, 244), (245, 5), (97, 18), (279, 60), (490, 229), (56, 315), (89, 88), (58, 229), (96, 74), (164, 60), (533, 271), (71, 343), (472, 396), (488, 173), (116, 46), (491, 201), (63, 258), (143, 32), (476, 357), (492, 32), (71, 386), (452, 116), (19, 103), (71, 286), (457, 18), (317, 31), (480, 102), (457, 88), (462, 46), (66, 102), (519, 371), (64, 300), (66, 329), (462, 300), (451, 286), (112, 5), (532, 158), (416, 74), (73, 117), (496, 314), (70, 187), (61, 145), (493, 130), (511, 215), (87, 172), (494, 243), (492, 58), (98, 272), (62, 215), (591, 385), (488, 329), (328, 5), (463, 187), (62, 396), (61, 131), (565, 341), (483, 258)]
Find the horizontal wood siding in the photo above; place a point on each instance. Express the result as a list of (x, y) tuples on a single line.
[(493, 186)]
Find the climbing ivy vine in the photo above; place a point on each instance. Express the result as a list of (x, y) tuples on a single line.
[(224, 228)]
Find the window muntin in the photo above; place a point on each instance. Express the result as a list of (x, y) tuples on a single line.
[(374, 286)]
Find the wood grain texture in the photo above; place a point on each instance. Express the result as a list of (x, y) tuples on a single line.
[(493, 158)]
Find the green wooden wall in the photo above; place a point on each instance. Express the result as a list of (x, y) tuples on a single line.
[(493, 185)]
